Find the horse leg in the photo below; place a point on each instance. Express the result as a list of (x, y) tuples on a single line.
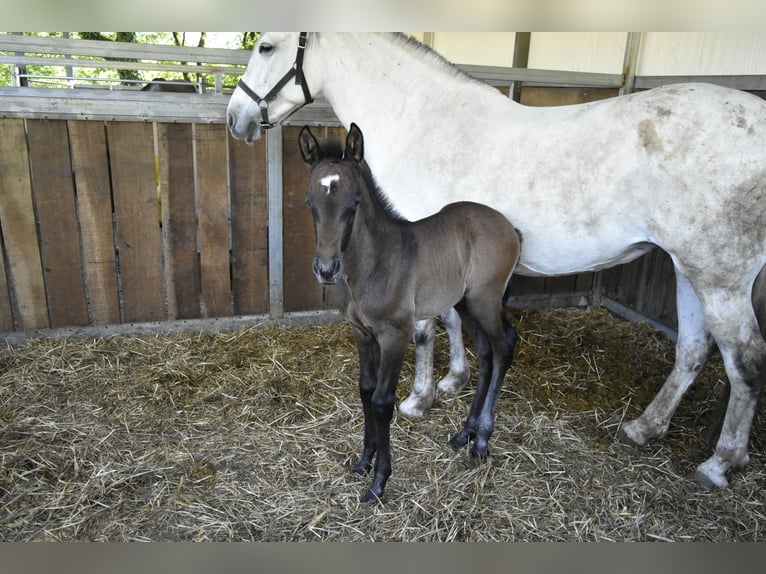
[(369, 359), (459, 370), (693, 348), (393, 348), (422, 396), (735, 328)]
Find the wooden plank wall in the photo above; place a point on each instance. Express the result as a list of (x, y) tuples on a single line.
[(646, 285), (302, 292), (104, 223), (119, 222)]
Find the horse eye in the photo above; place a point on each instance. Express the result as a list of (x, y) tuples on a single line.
[(265, 49)]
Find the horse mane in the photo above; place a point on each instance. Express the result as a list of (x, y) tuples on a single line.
[(429, 54), (423, 53), (332, 150)]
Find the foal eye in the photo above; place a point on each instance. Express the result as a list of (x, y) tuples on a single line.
[(265, 49)]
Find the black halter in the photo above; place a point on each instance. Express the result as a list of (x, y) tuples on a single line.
[(295, 71)]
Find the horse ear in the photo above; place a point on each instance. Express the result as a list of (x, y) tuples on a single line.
[(354, 143), (309, 146)]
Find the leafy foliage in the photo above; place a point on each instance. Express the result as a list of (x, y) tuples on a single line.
[(239, 40)]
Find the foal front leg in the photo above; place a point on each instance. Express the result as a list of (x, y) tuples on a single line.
[(393, 347), (369, 361)]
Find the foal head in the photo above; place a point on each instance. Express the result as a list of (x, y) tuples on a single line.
[(336, 188)]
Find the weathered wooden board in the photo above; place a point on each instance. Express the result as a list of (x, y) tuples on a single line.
[(54, 196), (134, 185), (17, 221), (248, 178), (182, 272), (90, 163), (302, 292), (6, 312), (213, 203)]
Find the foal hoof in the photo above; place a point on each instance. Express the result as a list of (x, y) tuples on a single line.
[(480, 455), (371, 496), (460, 439), (362, 467)]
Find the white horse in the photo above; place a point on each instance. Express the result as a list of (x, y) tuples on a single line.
[(682, 167)]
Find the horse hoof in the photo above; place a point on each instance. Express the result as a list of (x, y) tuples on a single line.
[(710, 475), (454, 382), (415, 406), (628, 435), (704, 481)]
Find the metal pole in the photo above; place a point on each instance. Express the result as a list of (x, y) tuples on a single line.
[(276, 224)]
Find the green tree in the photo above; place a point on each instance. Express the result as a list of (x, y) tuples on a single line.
[(118, 37)]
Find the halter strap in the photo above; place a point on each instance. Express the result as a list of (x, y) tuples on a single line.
[(296, 71)]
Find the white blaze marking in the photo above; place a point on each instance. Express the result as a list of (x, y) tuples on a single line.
[(328, 180)]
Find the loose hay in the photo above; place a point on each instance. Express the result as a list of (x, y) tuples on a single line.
[(251, 435)]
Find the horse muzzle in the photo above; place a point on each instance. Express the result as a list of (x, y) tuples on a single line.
[(327, 272)]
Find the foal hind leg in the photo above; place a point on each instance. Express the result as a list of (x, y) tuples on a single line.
[(693, 348), (503, 343), (734, 325), (494, 341)]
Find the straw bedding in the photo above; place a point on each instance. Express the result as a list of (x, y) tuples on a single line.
[(250, 436)]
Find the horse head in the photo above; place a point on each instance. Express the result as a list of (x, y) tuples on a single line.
[(273, 86), (334, 193)]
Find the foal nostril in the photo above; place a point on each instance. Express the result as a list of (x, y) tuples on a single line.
[(335, 268), (327, 272)]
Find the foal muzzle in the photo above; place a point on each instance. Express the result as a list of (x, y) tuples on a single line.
[(327, 272)]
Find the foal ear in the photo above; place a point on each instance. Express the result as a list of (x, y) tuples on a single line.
[(354, 144), (309, 147)]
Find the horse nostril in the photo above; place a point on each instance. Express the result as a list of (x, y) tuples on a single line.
[(230, 120)]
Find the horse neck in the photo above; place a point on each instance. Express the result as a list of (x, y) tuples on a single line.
[(393, 89), (361, 68), (364, 73)]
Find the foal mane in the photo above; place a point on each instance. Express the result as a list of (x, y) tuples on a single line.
[(332, 151)]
